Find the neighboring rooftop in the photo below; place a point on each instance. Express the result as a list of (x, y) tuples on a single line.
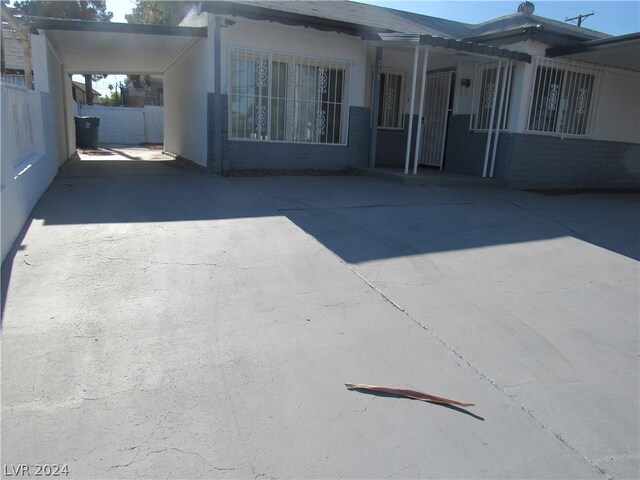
[(82, 87), (510, 24)]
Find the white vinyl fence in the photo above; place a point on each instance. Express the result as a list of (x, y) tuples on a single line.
[(127, 125)]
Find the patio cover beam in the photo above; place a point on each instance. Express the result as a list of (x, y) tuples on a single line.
[(421, 110), (453, 44), (492, 116), (413, 100)]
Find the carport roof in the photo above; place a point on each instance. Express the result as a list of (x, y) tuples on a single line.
[(100, 47)]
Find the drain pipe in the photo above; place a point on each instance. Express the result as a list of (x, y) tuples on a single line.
[(421, 109), (490, 130), (497, 135), (413, 99)]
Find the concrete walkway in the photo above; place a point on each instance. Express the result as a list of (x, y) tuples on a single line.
[(189, 326)]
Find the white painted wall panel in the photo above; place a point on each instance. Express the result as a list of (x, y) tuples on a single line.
[(153, 124), (13, 50), (185, 105), (618, 111)]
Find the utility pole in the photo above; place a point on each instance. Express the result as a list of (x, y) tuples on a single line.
[(579, 18)]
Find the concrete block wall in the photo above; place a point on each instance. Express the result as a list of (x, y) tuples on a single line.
[(247, 154), (464, 150), (543, 161), (392, 145), (540, 161)]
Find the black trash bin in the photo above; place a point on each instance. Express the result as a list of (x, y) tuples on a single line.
[(87, 132)]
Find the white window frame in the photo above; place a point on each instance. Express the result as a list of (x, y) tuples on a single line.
[(403, 79), (505, 69), (345, 66), (579, 73)]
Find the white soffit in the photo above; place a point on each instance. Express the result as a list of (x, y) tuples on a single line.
[(125, 50)]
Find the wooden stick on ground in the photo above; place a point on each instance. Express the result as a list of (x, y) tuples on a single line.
[(425, 397)]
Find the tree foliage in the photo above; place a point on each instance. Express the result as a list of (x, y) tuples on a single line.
[(113, 99), (95, 10), (158, 12)]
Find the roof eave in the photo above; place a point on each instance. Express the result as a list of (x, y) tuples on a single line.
[(41, 23), (254, 12), (524, 33), (591, 45)]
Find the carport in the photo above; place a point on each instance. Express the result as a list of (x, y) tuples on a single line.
[(176, 53)]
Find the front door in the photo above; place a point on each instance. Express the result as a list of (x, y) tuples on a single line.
[(436, 116)]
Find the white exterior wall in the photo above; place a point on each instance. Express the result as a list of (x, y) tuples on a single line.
[(618, 109), (185, 104), (463, 98), (617, 106), (296, 41), (32, 130)]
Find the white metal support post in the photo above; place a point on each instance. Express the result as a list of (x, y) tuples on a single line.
[(421, 109), (413, 99), (507, 71), (490, 126)]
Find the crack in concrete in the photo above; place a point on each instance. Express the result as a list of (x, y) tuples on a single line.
[(153, 262), (382, 205), (138, 458), (478, 371)]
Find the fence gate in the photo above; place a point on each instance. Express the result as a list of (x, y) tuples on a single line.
[(438, 91)]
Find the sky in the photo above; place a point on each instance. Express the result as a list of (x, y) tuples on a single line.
[(613, 17)]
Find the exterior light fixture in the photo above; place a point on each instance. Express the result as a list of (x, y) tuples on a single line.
[(465, 83)]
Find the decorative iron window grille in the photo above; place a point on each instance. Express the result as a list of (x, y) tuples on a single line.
[(562, 98), (280, 97), (488, 87), (391, 111)]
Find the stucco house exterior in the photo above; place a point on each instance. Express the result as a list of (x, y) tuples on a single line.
[(338, 84)]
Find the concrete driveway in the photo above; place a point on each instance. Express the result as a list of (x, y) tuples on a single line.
[(165, 323)]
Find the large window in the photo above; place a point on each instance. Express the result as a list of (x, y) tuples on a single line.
[(287, 98), (391, 111), (488, 88), (562, 98)]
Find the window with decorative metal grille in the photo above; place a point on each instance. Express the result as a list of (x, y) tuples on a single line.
[(562, 98), (488, 87), (288, 98), (391, 111)]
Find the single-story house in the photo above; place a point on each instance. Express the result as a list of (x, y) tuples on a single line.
[(337, 84), (79, 93)]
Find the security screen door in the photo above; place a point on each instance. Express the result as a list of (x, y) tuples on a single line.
[(436, 116)]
